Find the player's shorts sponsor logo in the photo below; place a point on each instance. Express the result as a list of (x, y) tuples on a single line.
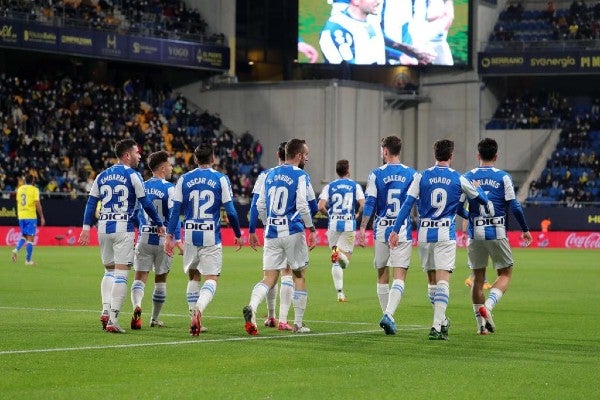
[(200, 226), (114, 217), (149, 229), (431, 223), (342, 217), (386, 222), (277, 221), (490, 221)]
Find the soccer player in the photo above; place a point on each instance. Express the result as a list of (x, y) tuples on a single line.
[(149, 251), (339, 199), (287, 281), (283, 204), (28, 209), (438, 191), (118, 188), (199, 196), (386, 191), (349, 36), (487, 233), (429, 28)]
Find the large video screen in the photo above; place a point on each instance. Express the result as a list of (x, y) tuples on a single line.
[(384, 32)]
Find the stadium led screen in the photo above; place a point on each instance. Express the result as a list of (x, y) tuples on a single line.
[(384, 32)]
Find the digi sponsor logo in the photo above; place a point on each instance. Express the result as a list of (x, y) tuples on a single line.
[(200, 226)]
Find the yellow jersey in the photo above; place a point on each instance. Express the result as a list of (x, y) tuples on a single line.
[(27, 195)]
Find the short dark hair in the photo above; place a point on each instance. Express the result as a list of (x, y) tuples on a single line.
[(123, 146), (342, 167), (281, 151), (293, 148), (156, 159), (443, 149), (487, 148), (29, 179), (393, 144), (204, 153)]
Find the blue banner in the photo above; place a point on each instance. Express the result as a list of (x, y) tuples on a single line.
[(539, 62), (92, 43)]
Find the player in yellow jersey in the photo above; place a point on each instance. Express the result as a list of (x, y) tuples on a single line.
[(28, 209)]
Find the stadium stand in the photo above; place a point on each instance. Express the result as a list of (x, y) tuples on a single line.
[(157, 18), (63, 131), (571, 175)]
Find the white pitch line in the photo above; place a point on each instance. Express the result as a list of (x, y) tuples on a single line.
[(185, 315), (175, 343)]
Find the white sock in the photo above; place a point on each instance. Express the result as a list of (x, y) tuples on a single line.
[(206, 294), (193, 292), (259, 292), (118, 293), (338, 277), (431, 292), (137, 293), (272, 301), (440, 303), (285, 297), (493, 298), (159, 296), (480, 320), (300, 298), (106, 288), (394, 297), (383, 292)]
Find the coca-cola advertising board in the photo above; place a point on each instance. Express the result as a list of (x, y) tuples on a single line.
[(68, 236)]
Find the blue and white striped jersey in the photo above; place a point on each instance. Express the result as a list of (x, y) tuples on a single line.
[(117, 188), (344, 38), (160, 192), (283, 201), (490, 224), (439, 190), (386, 192), (199, 195), (342, 196)]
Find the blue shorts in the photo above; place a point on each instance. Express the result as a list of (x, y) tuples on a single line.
[(28, 226)]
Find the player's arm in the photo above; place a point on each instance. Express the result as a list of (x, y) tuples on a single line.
[(150, 210), (40, 212), (323, 199), (232, 216), (304, 209), (423, 56), (312, 200), (140, 193), (474, 191), (360, 199), (88, 215), (462, 208)]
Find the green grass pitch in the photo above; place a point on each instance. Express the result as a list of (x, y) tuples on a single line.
[(546, 345)]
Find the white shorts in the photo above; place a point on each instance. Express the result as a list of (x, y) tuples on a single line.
[(343, 240), (208, 260), (150, 257), (117, 248), (498, 250), (289, 250), (397, 257), (438, 255)]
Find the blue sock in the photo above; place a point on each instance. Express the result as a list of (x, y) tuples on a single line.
[(28, 251), (20, 243)]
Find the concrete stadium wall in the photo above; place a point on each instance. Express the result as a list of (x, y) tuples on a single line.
[(338, 120)]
